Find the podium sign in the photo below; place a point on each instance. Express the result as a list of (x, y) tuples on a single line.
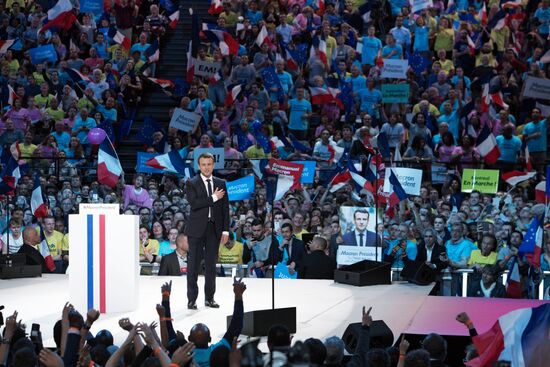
[(104, 270)]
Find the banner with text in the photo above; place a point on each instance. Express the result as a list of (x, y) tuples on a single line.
[(536, 88), (409, 178), (184, 120), (284, 168), (240, 189), (218, 153), (91, 6), (395, 69), (418, 5), (42, 54), (308, 174), (395, 93), (206, 68), (347, 255), (482, 180)]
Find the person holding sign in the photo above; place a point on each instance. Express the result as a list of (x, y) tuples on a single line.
[(360, 236), (208, 227)]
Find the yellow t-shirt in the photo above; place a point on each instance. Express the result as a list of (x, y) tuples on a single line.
[(38, 77), (231, 256), (447, 66), (477, 258), (55, 242), (152, 247), (42, 101), (299, 235), (431, 108), (499, 37), (444, 39), (331, 46), (57, 115), (27, 150), (254, 152), (65, 243)]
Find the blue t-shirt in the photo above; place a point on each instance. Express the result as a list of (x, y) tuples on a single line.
[(509, 148), (410, 249), (371, 47), (421, 39), (206, 106), (254, 16), (456, 252), (141, 48), (368, 99), (297, 109), (386, 50), (83, 135), (453, 121), (108, 114), (538, 144), (62, 140), (202, 355), (543, 16), (164, 248)]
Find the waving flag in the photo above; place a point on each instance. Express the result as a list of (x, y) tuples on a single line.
[(233, 93), (514, 4), (109, 168), (482, 15), (361, 181), (340, 180), (487, 145), (5, 46), (152, 52), (60, 16), (320, 96), (216, 7), (531, 246), (513, 284), (77, 76), (296, 144), (119, 38), (38, 205), (398, 193), (515, 177), (519, 337), (263, 37), (287, 56), (193, 49), (335, 151), (174, 18), (170, 162), (227, 44), (163, 83), (540, 192), (10, 177), (321, 45), (12, 96), (381, 142), (44, 250), (289, 175)]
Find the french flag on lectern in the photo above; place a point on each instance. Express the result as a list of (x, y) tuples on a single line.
[(108, 165), (96, 258), (519, 337), (38, 206)]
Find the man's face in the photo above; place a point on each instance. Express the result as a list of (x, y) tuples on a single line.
[(172, 235), (361, 221), (475, 211), (474, 198), (486, 245), (456, 232), (206, 166), (257, 232), (49, 225), (15, 230), (515, 239), (67, 205), (158, 207), (287, 233), (439, 224), (429, 238), (298, 220)]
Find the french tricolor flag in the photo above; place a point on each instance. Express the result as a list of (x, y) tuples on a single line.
[(216, 7), (170, 162), (487, 145), (96, 257), (5, 46), (335, 151), (60, 16), (515, 177), (228, 45), (482, 15), (109, 168), (77, 76), (119, 38), (233, 93), (38, 205), (174, 18), (340, 180), (398, 193), (263, 37), (519, 337), (320, 96), (513, 285), (163, 83), (44, 250), (12, 96), (153, 53)]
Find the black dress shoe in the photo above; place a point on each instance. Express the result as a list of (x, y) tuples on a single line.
[(211, 304), (192, 305)]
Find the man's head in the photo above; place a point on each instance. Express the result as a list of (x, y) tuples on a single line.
[(298, 220), (181, 243), (436, 346), (200, 336), (206, 164), (417, 358), (286, 231), (361, 220), (457, 231), (278, 338), (318, 243), (49, 225), (15, 227), (335, 350), (31, 237), (257, 230), (317, 351)]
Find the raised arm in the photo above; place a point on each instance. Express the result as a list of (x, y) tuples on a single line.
[(359, 359), (236, 325)]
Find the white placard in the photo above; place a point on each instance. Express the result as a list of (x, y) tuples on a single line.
[(409, 178), (184, 120), (206, 68), (536, 88), (395, 69), (347, 255), (218, 153), (421, 4)]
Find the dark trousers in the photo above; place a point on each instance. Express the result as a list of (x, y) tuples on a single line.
[(206, 245)]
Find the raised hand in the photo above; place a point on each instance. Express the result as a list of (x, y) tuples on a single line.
[(48, 358), (125, 324), (92, 316), (166, 288), (238, 287), (463, 318), (160, 310), (11, 325), (66, 309), (403, 346), (184, 354), (367, 318)]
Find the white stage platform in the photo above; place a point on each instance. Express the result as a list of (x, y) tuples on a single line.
[(324, 308)]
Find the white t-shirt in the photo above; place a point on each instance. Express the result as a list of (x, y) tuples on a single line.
[(14, 244)]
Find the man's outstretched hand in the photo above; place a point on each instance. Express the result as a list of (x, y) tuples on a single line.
[(367, 318), (238, 288)]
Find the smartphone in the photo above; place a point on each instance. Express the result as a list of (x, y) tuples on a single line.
[(242, 218), (36, 338)]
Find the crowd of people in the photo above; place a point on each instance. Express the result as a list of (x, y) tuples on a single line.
[(456, 52)]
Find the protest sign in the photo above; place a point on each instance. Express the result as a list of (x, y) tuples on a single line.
[(184, 120), (42, 54), (409, 178), (240, 189), (218, 153), (536, 88), (395, 93), (418, 5), (347, 255), (482, 180), (284, 168), (395, 69), (91, 6), (206, 68), (308, 174)]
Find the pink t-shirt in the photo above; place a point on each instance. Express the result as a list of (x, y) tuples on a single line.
[(445, 153)]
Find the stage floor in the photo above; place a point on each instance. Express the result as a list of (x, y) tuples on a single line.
[(324, 308)]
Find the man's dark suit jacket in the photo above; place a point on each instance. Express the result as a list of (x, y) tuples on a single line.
[(437, 250), (170, 265), (317, 265), (33, 257), (298, 252), (474, 290), (350, 239), (198, 198)]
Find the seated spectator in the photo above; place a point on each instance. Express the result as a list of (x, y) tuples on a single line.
[(175, 263), (488, 286), (317, 264)]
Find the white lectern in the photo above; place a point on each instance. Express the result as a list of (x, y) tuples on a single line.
[(104, 259)]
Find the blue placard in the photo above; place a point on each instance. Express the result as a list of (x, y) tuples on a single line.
[(240, 189), (141, 167), (308, 174), (547, 181), (91, 6), (43, 54), (218, 153)]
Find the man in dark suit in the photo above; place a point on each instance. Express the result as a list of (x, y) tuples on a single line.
[(429, 251), (360, 236), (31, 240), (294, 248), (317, 264), (175, 264), (208, 226)]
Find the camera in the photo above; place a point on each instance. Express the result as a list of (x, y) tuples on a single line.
[(36, 338)]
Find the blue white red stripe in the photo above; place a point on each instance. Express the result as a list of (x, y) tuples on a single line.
[(487, 145), (227, 44), (109, 168), (96, 288), (38, 205), (169, 162), (60, 16)]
